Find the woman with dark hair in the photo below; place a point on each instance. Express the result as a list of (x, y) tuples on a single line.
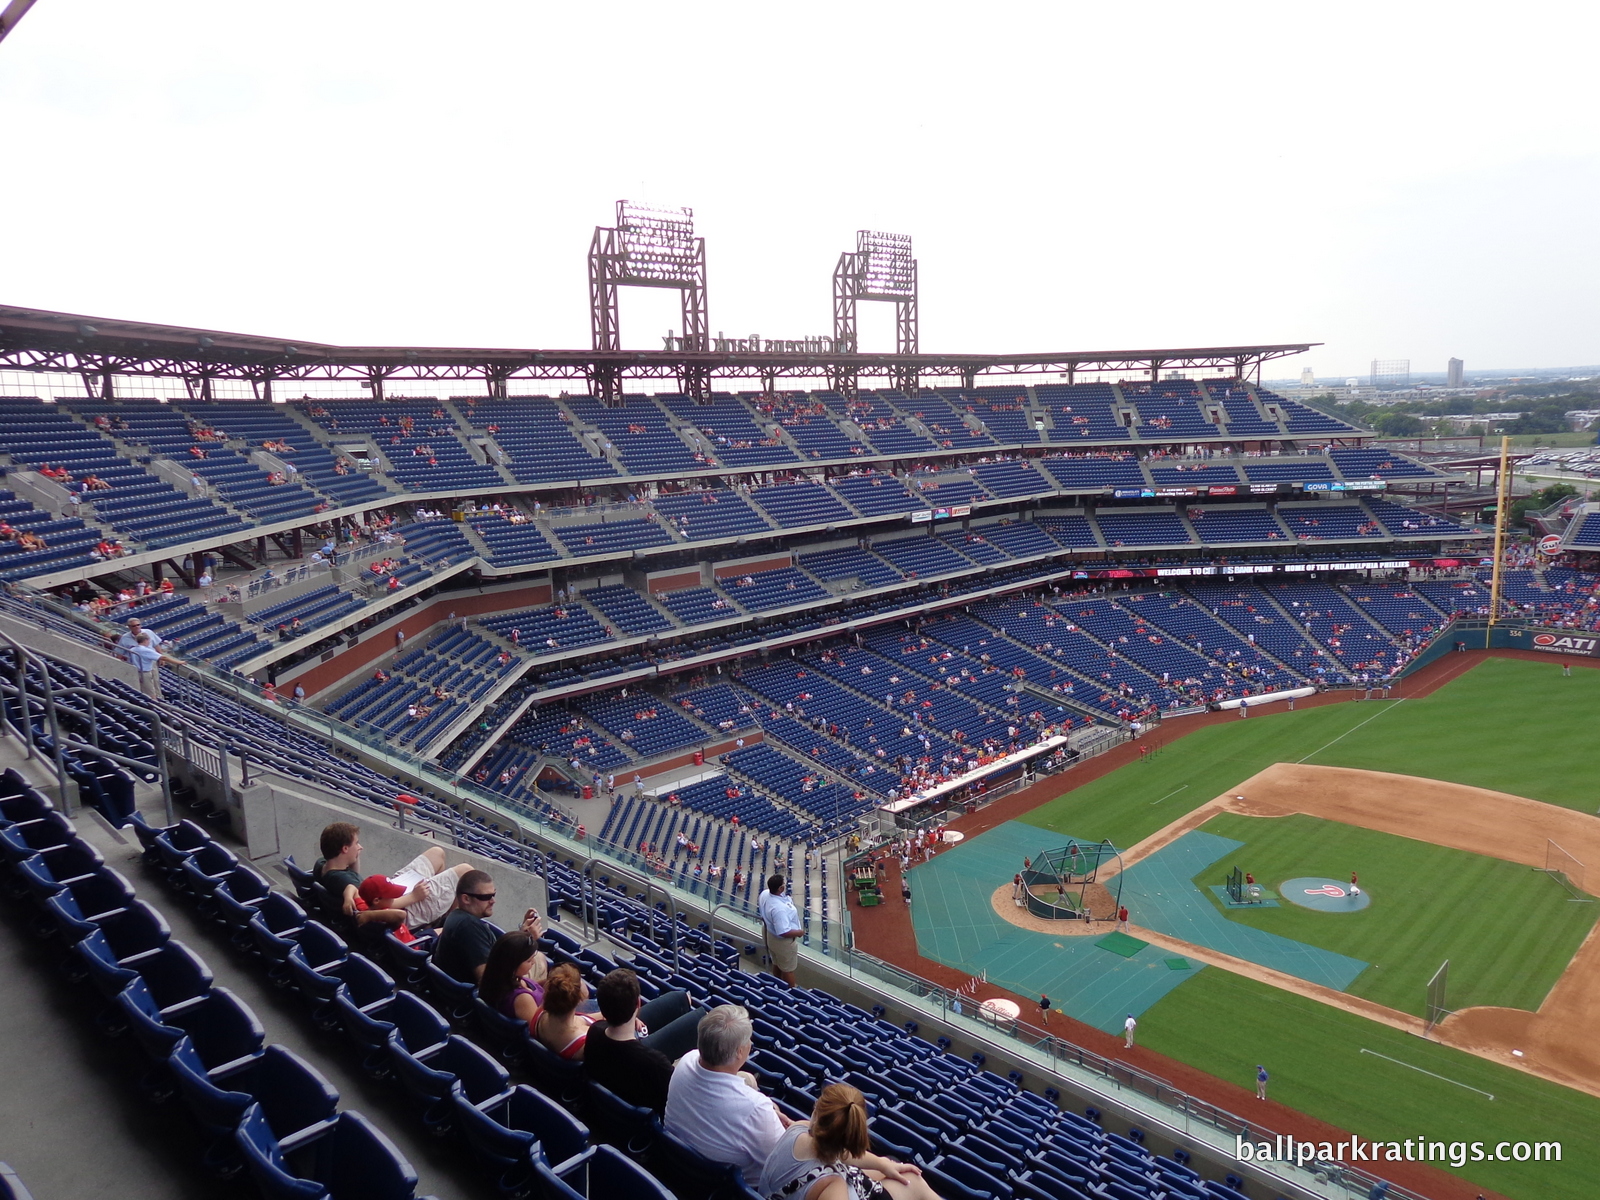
[(830, 1158), (560, 1025), (513, 976)]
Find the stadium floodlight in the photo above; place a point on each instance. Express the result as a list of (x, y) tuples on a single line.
[(881, 267), (658, 245), (886, 268), (649, 246)]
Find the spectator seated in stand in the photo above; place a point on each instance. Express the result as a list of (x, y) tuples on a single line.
[(632, 1050), (428, 885), (831, 1157), (468, 935), (514, 977), (560, 1026), (713, 1105)]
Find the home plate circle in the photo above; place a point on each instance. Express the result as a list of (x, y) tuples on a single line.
[(1324, 895), (1002, 1008)]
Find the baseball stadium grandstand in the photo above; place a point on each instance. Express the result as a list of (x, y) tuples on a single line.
[(634, 633)]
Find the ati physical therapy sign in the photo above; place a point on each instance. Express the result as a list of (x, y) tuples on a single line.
[(1558, 642)]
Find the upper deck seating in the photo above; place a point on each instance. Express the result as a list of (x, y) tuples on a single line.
[(876, 495), (1012, 479), (627, 610), (1193, 474), (1009, 418), (850, 563), (1223, 525), (513, 543), (731, 431), (1403, 522), (1302, 419), (1020, 539), (922, 557), (773, 589), (944, 423), (537, 439), (1241, 417), (1328, 521), (712, 513), (1095, 472), (1288, 469), (1156, 527), (1369, 462), (610, 537), (798, 504), (641, 436), (1082, 410)]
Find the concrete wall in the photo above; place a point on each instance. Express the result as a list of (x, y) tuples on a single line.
[(278, 819), (672, 581), (729, 567)]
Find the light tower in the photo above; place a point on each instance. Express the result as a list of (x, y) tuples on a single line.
[(648, 247), (880, 268)]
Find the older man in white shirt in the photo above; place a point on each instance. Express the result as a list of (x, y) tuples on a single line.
[(129, 640), (781, 928), (713, 1105)]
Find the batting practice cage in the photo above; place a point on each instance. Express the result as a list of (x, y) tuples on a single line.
[(1056, 884)]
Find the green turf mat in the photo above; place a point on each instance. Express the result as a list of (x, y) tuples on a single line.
[(1160, 894), (1121, 943), (956, 925), (1177, 964)]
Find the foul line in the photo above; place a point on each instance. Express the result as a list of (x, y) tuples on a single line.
[(1168, 796), (1353, 728), (1458, 1083)]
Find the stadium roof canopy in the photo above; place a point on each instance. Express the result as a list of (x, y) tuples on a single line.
[(99, 349)]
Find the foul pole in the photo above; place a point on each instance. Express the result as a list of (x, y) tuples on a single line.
[(1502, 492)]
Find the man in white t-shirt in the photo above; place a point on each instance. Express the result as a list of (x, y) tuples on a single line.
[(1128, 1027), (712, 1103)]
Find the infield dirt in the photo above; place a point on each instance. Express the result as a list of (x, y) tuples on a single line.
[(1561, 1041)]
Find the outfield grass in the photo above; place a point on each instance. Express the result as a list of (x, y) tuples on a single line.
[(1511, 725), (1508, 724), (1225, 1024), (1508, 932), (1565, 440)]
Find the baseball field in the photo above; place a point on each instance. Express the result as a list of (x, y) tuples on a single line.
[(1450, 871)]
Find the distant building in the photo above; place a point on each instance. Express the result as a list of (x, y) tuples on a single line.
[(1307, 378), (1391, 373), (1455, 373)]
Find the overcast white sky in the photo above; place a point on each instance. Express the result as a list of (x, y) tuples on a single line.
[(1395, 180)]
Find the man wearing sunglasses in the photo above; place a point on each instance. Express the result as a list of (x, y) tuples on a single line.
[(468, 933)]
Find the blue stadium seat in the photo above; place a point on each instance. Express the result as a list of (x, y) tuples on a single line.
[(225, 1034), (603, 1174), (298, 1103), (629, 1127), (457, 1065), (509, 1137), (174, 974), (352, 1161), (11, 1186)]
